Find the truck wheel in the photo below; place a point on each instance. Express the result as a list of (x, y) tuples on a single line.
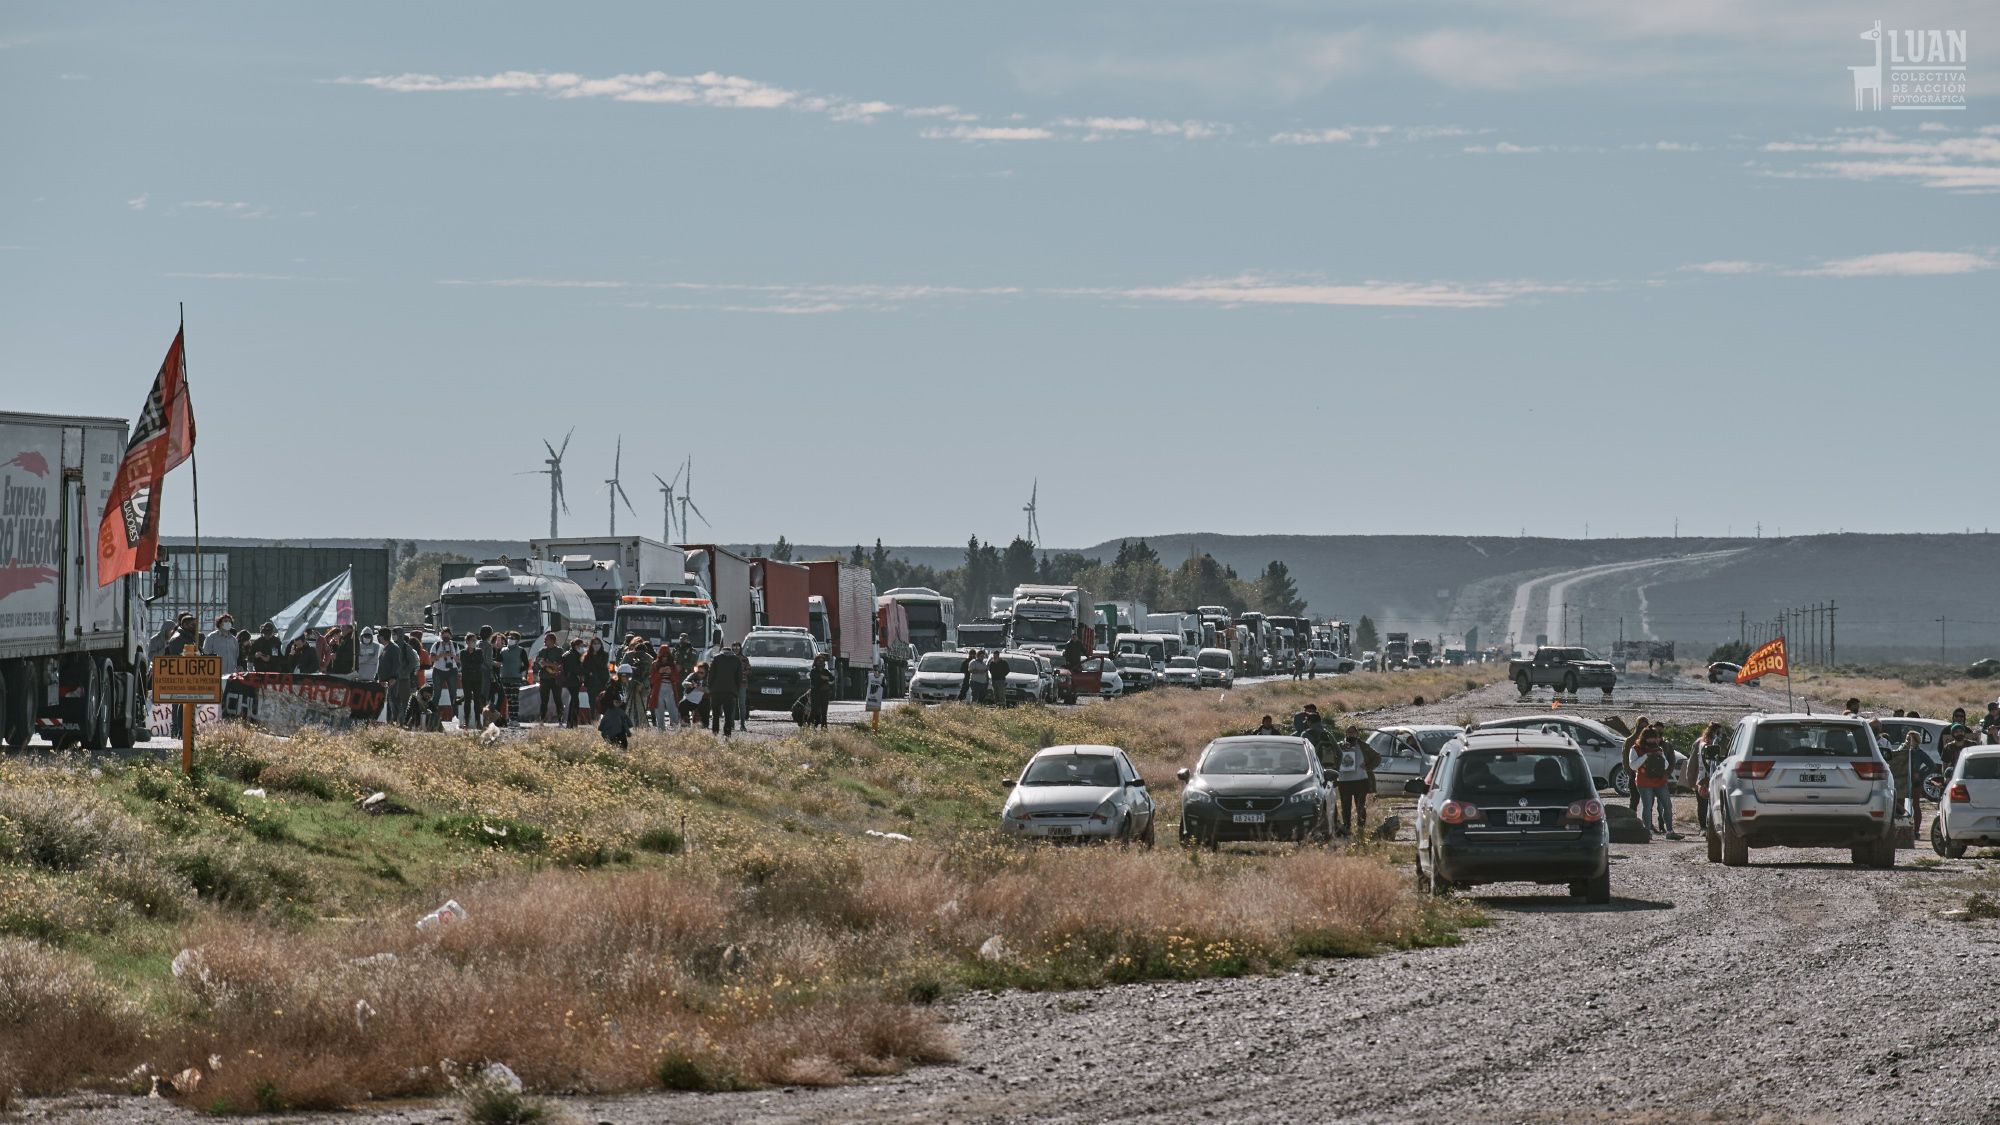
[(96, 726), (129, 717), (1569, 684), (17, 720), (1522, 685)]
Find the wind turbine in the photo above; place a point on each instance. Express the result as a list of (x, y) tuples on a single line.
[(615, 489), (668, 491), (1034, 525), (687, 502), (554, 473)]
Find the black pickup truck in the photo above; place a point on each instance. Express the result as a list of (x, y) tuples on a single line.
[(1565, 669)]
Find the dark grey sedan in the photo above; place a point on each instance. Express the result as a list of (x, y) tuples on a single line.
[(1255, 787)]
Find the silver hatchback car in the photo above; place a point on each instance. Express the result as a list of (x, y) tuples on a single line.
[(1802, 781)]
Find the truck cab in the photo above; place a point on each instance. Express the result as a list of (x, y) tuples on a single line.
[(534, 601), (665, 617)]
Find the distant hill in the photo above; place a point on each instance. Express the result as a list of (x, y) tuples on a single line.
[(1890, 589)]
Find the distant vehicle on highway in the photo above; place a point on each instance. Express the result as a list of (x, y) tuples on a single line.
[(939, 678), (1983, 668), (1602, 747), (1512, 806), (1079, 792), (1407, 753), (1214, 668), (1182, 671), (1564, 668), (1724, 672), (1330, 662), (1136, 669), (1029, 678), (1096, 675), (1802, 781), (1371, 661), (1255, 787), (1970, 811)]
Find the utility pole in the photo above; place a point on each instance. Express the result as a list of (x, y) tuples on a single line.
[(1832, 649), (1940, 641), (1742, 627)]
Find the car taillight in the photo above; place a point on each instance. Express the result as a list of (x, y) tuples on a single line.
[(1589, 812), (1754, 770), (1871, 771), (1959, 792), (1458, 812)]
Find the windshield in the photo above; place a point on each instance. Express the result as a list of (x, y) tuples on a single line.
[(663, 626), (1043, 630), (505, 613), (1213, 660), (1134, 660), (1814, 740), (1487, 774), (952, 662), (1181, 662), (981, 636), (793, 647), (1255, 758), (1151, 650), (1072, 769)]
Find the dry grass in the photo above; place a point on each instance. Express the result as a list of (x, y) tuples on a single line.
[(1931, 692), (694, 914)]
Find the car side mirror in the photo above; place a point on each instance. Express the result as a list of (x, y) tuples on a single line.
[(1007, 783), (1415, 787), (1182, 774), (162, 577), (1137, 783)]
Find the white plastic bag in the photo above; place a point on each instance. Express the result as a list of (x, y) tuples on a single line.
[(451, 912)]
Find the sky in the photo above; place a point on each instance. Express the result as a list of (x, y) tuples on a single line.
[(878, 269)]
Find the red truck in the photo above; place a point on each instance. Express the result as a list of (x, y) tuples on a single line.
[(785, 588), (843, 611)]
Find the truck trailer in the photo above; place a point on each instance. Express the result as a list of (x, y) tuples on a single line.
[(72, 652), (783, 591), (846, 595), (608, 567)]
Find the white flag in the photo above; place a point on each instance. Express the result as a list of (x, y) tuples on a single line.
[(331, 604)]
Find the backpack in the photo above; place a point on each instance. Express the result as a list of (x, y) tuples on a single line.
[(1653, 769)]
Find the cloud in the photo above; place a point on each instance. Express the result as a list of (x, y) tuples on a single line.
[(1099, 128), (1313, 137), (139, 202), (1285, 69), (1253, 289), (233, 208), (1726, 266), (1942, 161), (989, 133), (709, 89), (1903, 263)]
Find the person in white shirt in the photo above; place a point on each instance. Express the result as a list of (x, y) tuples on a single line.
[(444, 668), (223, 643)]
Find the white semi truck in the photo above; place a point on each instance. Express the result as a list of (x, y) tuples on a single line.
[(73, 660)]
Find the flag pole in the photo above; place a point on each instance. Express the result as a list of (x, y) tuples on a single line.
[(194, 473)]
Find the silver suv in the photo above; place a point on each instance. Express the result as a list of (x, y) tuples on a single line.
[(1802, 781)]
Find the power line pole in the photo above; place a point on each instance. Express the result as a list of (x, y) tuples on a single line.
[(1832, 650), (1742, 627), (1941, 641)]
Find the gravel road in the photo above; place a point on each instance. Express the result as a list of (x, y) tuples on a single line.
[(1798, 989)]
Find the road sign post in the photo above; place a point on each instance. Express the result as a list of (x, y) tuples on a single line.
[(187, 681), (874, 700)]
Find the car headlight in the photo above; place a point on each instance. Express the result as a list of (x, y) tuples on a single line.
[(1014, 812), (1303, 797), (1104, 811), (1197, 797)]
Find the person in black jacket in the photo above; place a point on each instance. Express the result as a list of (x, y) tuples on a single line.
[(267, 652), (342, 663), (572, 674), (820, 693), (596, 672), (472, 670), (389, 673), (304, 658), (725, 683)]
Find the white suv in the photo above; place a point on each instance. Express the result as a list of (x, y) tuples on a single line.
[(1802, 781)]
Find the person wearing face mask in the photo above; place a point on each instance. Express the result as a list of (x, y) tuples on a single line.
[(572, 674), (222, 644)]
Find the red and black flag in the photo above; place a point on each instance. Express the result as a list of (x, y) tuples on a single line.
[(128, 537)]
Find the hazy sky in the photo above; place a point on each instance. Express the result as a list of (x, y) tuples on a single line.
[(1241, 267)]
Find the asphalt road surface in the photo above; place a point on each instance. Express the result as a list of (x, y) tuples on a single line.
[(1800, 988)]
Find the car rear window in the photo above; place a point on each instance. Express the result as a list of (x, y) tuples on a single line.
[(1816, 740), (1509, 773), (1985, 767)]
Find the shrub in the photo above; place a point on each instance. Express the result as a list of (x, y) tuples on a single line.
[(65, 829), (59, 1022)]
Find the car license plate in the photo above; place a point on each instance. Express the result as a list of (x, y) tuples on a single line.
[(1524, 816), (772, 690), (1812, 779), (1058, 829), (1248, 818)]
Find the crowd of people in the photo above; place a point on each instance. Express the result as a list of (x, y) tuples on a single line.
[(477, 680)]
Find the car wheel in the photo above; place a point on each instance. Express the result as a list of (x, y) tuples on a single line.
[(1714, 846), (1521, 685), (1735, 849), (1882, 853), (1146, 839), (1621, 781), (1597, 890), (1437, 884), (1942, 846), (1569, 684)]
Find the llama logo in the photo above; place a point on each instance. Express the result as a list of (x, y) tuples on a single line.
[(1868, 79)]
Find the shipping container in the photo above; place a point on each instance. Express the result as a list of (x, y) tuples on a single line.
[(726, 576), (848, 593), (253, 583), (784, 588)]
